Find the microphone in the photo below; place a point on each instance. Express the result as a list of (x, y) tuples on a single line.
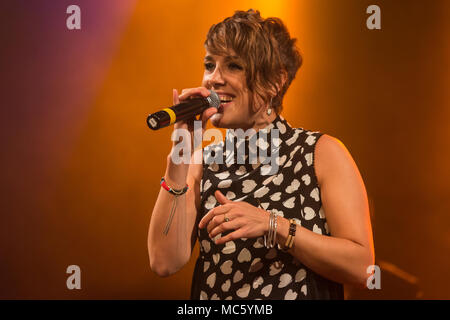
[(182, 111)]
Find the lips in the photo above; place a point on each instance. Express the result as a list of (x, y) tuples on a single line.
[(225, 100)]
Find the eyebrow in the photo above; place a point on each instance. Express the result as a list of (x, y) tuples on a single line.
[(209, 58), (227, 58)]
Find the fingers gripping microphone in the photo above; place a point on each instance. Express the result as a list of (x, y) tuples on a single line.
[(182, 111)]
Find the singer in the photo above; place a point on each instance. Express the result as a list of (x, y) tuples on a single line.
[(299, 233)]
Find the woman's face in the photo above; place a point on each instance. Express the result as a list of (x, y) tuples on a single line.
[(226, 76)]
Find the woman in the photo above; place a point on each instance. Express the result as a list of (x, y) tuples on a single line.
[(298, 233)]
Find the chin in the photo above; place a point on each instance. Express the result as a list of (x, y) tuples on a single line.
[(216, 120), (228, 119), (221, 121)]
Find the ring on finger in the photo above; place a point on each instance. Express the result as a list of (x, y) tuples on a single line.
[(225, 218)]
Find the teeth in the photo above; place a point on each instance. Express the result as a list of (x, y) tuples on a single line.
[(225, 98)]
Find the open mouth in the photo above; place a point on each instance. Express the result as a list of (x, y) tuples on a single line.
[(225, 100)]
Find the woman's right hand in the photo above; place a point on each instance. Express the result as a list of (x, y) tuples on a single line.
[(204, 116)]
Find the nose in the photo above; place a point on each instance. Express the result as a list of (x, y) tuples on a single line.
[(216, 78)]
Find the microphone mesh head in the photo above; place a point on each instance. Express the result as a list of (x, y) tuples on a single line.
[(213, 99)]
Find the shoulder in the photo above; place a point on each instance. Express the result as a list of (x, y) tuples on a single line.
[(331, 158), (330, 145)]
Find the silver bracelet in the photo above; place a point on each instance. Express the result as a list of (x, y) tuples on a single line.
[(270, 240), (270, 230), (266, 244), (274, 238)]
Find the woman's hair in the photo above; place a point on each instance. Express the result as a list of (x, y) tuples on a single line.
[(266, 48)]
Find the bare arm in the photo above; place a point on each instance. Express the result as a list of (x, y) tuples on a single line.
[(345, 256), (169, 253)]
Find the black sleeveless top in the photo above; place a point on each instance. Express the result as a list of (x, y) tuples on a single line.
[(245, 268)]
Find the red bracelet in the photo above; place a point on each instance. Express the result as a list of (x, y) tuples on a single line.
[(171, 190)]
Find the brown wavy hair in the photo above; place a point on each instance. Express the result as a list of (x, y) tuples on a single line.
[(269, 54)]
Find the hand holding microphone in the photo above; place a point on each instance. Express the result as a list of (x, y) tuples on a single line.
[(187, 109)]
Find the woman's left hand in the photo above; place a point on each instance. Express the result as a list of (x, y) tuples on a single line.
[(246, 220)]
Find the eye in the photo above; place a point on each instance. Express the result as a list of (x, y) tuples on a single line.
[(235, 66), (209, 66)]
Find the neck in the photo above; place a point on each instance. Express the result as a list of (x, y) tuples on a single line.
[(261, 121), (265, 121)]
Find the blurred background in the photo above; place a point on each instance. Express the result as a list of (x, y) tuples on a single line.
[(80, 170)]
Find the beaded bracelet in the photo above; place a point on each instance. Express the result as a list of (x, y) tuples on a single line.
[(290, 239), (175, 192)]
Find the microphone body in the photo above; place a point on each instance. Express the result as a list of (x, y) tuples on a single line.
[(183, 111)]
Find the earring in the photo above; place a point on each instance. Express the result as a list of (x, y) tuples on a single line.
[(269, 109)]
